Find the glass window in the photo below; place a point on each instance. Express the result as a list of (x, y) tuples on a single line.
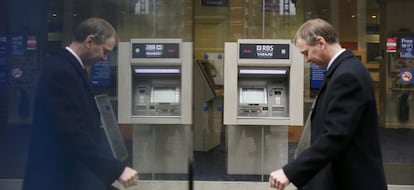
[(381, 36)]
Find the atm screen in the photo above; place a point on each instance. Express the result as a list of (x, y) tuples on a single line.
[(253, 96), (164, 95)]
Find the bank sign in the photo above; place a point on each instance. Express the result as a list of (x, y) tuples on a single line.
[(264, 51)]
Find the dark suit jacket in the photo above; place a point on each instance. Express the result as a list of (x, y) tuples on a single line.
[(345, 152), (66, 144)]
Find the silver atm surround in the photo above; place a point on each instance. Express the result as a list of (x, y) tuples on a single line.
[(127, 59), (234, 62), (257, 143), (153, 134)]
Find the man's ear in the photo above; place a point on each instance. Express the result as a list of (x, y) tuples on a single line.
[(90, 39), (320, 41)]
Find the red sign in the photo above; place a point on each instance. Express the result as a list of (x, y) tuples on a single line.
[(392, 44), (31, 42)]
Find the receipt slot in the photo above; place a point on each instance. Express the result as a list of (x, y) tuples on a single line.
[(263, 95), (155, 97)]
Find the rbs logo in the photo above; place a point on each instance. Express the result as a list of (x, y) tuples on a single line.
[(264, 48), (264, 51)]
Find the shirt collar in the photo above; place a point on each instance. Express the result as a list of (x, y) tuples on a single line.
[(77, 57), (334, 57)]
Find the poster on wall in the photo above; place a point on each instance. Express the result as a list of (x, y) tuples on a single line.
[(406, 76), (101, 74), (22, 59), (20, 75), (17, 45), (406, 48), (31, 43), (391, 44)]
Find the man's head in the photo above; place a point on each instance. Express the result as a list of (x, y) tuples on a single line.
[(93, 39), (318, 41)]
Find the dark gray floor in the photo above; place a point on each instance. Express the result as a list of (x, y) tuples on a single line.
[(397, 145), (398, 155), (14, 145)]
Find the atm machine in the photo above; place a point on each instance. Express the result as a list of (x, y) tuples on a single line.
[(155, 97), (263, 96)]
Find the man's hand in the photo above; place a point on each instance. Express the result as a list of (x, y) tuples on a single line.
[(129, 177), (278, 179)]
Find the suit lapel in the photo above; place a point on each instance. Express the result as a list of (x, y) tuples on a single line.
[(344, 55), (82, 72), (79, 69), (328, 74)]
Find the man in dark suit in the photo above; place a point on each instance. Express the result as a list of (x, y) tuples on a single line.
[(66, 146), (344, 152)]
